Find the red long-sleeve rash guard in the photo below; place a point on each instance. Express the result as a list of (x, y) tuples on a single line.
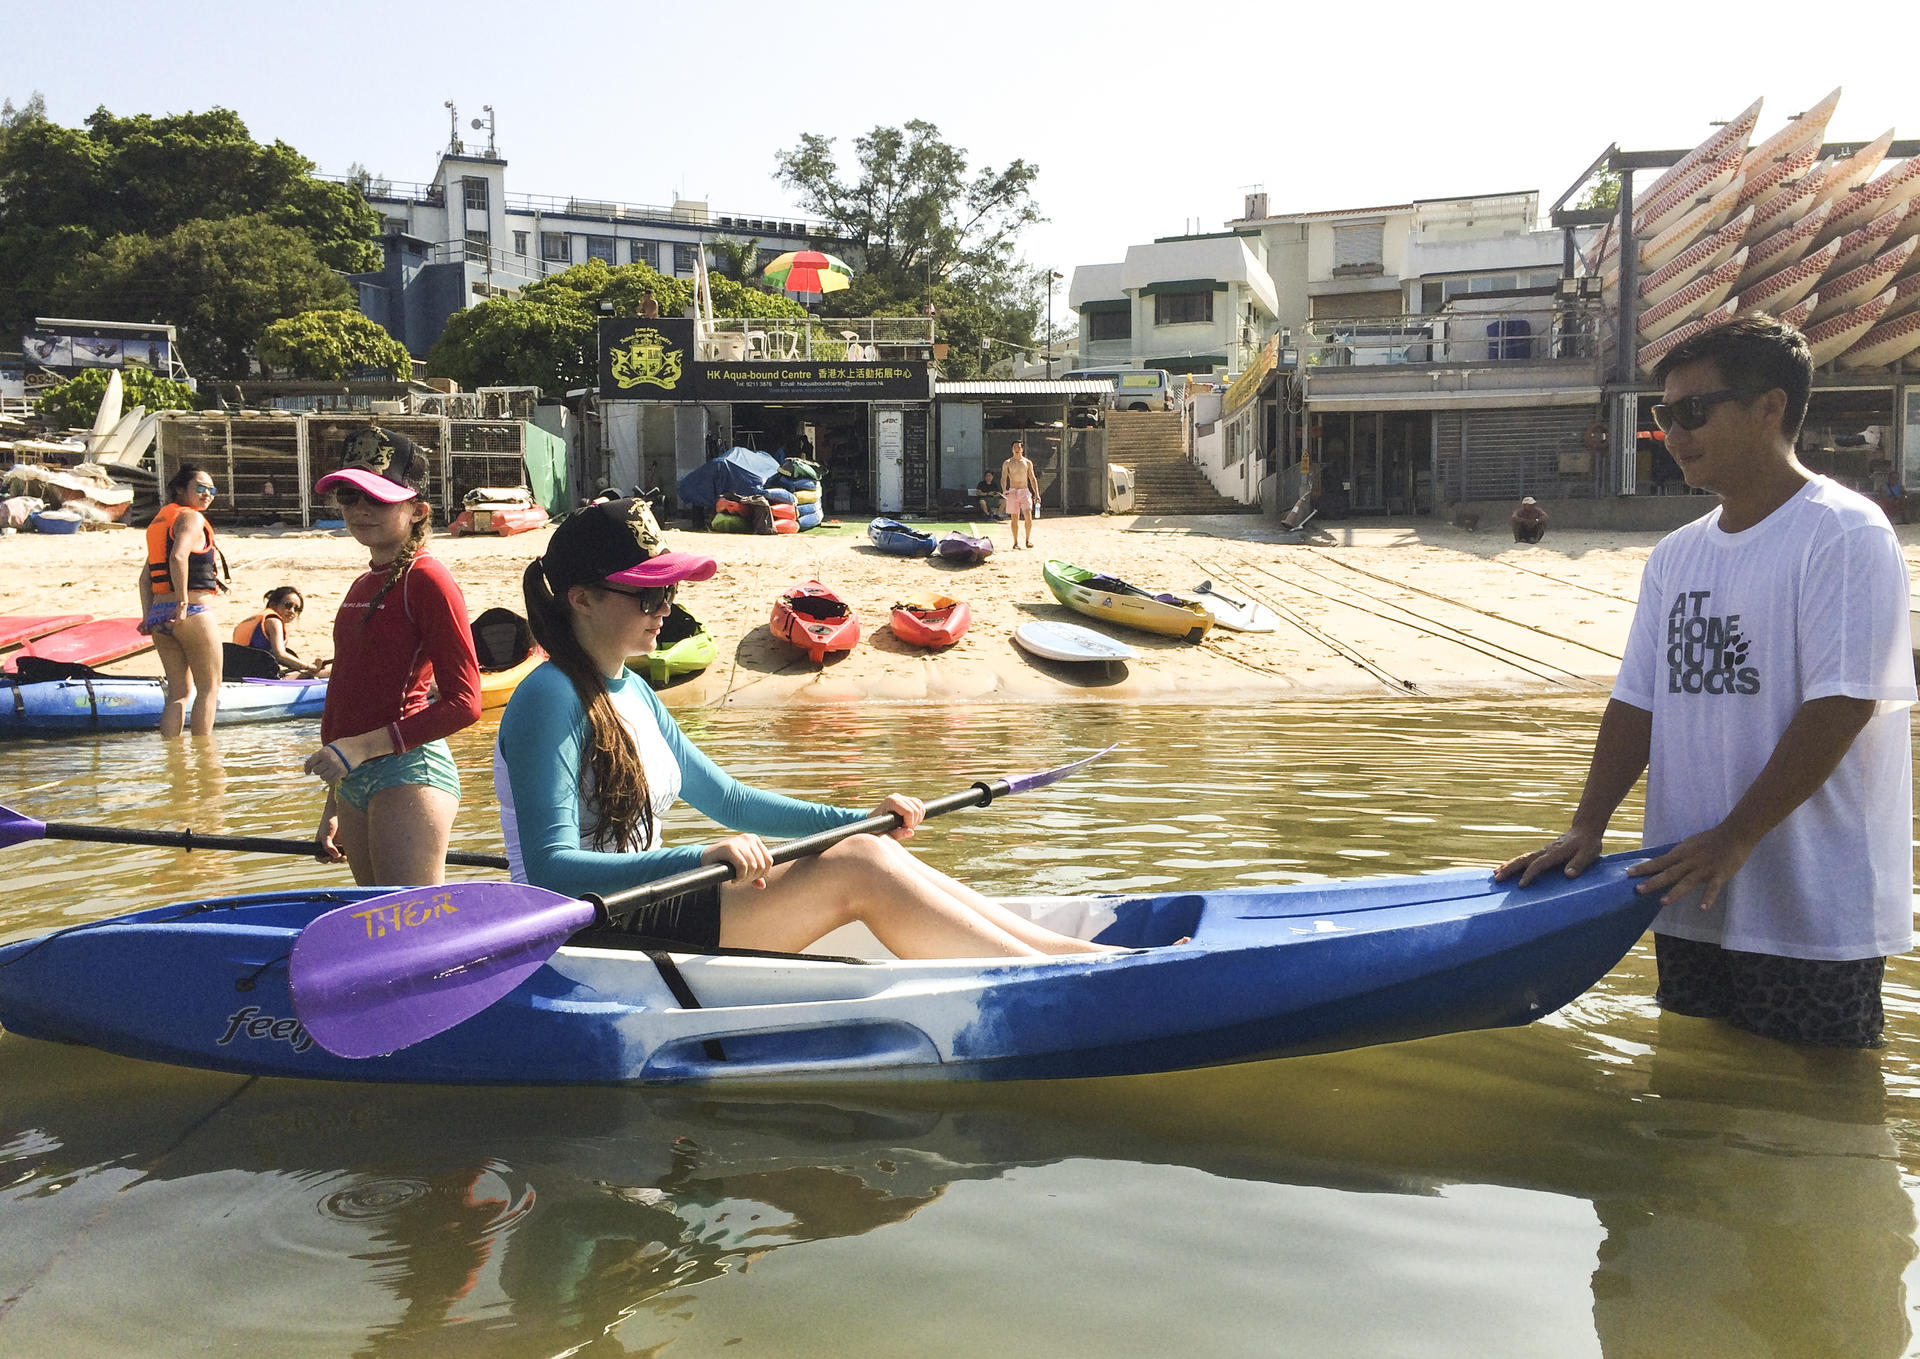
[(418, 634)]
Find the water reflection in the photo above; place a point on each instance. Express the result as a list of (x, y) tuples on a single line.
[(1744, 1204), (1609, 1181)]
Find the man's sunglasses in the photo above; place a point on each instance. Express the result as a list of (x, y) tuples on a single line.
[(1691, 412), (651, 599)]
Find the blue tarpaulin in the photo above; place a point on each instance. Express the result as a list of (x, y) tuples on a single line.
[(738, 471)]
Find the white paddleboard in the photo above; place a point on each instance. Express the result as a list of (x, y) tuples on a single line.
[(1069, 642), (1241, 615)]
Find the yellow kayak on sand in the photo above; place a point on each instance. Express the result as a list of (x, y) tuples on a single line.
[(1112, 600)]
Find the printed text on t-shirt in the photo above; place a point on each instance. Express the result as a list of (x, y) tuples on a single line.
[(1706, 654)]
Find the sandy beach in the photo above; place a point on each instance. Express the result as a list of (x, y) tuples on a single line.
[(1411, 606)]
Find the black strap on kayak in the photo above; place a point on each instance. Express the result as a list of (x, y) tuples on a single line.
[(93, 699), (677, 983)]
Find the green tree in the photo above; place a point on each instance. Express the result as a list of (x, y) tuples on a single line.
[(74, 403), (1602, 192), (66, 192), (33, 111), (735, 259), (548, 335), (330, 345), (221, 282), (928, 232)]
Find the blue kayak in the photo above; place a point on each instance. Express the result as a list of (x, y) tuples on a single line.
[(81, 707), (890, 535), (1264, 973)]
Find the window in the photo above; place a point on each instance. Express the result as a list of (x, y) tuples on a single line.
[(519, 242), (393, 224), (1179, 309), (643, 252), (1357, 248), (556, 245), (1110, 325), (474, 189), (601, 248), (479, 243), (684, 257)]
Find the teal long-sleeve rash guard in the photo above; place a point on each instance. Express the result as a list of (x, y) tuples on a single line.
[(536, 775)]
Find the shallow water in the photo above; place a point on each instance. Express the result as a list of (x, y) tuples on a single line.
[(1606, 1181)]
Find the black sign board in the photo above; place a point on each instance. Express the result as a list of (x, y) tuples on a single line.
[(650, 359), (646, 358)]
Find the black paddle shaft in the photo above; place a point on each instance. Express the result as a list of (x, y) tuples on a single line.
[(189, 840), (622, 905)]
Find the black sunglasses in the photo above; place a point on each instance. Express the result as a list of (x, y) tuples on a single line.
[(651, 598), (1691, 412), (346, 496)]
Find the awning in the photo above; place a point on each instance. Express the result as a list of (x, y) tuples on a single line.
[(1454, 401), (1025, 387)]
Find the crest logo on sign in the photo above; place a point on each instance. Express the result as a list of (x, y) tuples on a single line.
[(646, 358)]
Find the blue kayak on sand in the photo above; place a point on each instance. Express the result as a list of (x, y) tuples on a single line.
[(84, 707), (890, 535), (1265, 972)]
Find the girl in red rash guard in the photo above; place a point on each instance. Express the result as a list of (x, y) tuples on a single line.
[(392, 788)]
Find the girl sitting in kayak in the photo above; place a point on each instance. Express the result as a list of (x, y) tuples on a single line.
[(589, 761), (267, 631), (392, 788)]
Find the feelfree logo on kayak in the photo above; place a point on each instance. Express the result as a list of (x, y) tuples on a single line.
[(249, 1022)]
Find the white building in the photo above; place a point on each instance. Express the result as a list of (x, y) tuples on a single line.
[(1188, 304), (464, 236)]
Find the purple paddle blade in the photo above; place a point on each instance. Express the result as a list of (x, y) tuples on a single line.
[(374, 976), (16, 829), (1026, 783)]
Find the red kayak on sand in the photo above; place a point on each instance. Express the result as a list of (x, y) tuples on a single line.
[(95, 643), (934, 622), (815, 619), (18, 628)]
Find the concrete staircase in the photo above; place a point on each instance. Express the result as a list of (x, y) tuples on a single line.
[(1153, 444)]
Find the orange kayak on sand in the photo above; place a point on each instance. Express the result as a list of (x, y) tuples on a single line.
[(815, 619), (937, 621)]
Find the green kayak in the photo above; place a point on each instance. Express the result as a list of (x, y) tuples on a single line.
[(684, 647)]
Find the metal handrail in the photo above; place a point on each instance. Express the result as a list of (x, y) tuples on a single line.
[(413, 191), (1555, 332)]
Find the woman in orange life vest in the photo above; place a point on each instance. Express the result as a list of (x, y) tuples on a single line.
[(178, 585), (268, 630)]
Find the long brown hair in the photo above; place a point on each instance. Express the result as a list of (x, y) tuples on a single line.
[(416, 539), (613, 782)]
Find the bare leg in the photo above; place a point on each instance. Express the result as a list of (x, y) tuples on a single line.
[(401, 839), (865, 878), (1021, 928), (173, 664), (200, 639)]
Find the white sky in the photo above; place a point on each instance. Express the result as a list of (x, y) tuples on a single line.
[(1145, 120)]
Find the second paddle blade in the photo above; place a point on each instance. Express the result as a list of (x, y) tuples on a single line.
[(375, 976)]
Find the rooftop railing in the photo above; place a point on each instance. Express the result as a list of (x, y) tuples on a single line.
[(1548, 331), (679, 214)]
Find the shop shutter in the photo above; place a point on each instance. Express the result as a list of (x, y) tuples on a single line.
[(1354, 306), (1357, 247), (1506, 454)]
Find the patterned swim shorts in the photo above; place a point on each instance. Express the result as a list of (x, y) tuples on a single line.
[(1796, 1000)]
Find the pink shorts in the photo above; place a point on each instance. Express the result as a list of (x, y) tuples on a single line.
[(1018, 502)]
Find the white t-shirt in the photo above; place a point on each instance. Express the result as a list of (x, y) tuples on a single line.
[(1734, 632)]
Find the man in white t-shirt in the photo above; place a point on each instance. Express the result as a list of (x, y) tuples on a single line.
[(1765, 689)]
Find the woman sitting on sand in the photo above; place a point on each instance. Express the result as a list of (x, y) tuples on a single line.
[(589, 761)]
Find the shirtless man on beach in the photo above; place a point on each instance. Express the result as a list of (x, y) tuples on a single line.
[(1019, 491)]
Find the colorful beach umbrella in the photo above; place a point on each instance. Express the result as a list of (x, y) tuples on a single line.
[(808, 271)]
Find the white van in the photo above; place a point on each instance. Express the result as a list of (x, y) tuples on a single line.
[(1134, 389)]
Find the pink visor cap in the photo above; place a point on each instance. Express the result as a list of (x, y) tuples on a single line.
[(376, 463), (611, 543)]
